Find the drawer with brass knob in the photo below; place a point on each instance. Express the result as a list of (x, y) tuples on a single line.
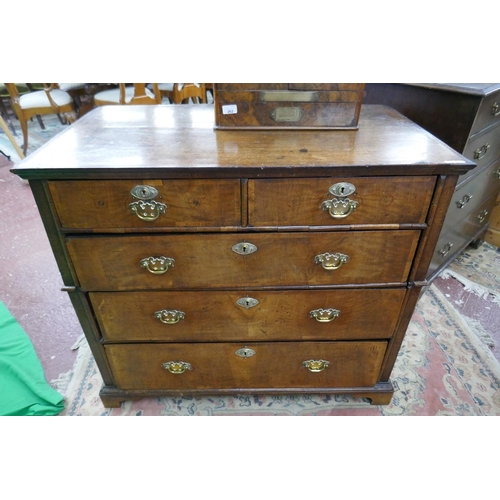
[(280, 365), (215, 316), (330, 202), (146, 204), (272, 259)]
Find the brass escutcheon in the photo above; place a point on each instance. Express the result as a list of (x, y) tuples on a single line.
[(331, 261), (324, 315), (247, 302), (157, 265), (315, 366), (177, 367), (169, 317), (244, 248), (342, 189), (142, 192), (245, 352)]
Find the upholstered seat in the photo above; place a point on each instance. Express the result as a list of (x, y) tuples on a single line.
[(51, 100), (39, 99)]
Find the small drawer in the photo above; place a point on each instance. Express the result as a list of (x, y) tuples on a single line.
[(488, 114), (245, 366), (241, 260), (454, 237), (146, 204), (472, 194), (211, 316), (482, 149), (333, 201)]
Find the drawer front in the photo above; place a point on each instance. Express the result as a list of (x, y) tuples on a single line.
[(310, 202), (482, 149), (251, 316), (488, 114), (109, 205), (472, 194), (274, 365), (455, 236), (208, 260)]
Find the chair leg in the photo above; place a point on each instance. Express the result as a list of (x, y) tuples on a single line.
[(40, 122), (24, 128)]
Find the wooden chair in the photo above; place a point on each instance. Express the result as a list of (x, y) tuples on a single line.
[(136, 93), (179, 93), (49, 101)]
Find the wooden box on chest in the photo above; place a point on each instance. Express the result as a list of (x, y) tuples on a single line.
[(204, 261), (287, 105)]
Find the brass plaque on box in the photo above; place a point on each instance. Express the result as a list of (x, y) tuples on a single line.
[(277, 96), (287, 114)]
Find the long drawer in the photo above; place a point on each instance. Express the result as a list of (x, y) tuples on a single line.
[(233, 366), (110, 205), (482, 149), (488, 113), (458, 235), (472, 194), (330, 201), (251, 316), (241, 260)]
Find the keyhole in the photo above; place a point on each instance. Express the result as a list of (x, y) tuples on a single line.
[(342, 189), (244, 248)]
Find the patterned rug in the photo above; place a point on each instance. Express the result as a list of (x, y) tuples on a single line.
[(442, 369), (478, 270)]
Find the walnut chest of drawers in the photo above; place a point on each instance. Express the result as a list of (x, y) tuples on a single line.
[(466, 116), (204, 261)]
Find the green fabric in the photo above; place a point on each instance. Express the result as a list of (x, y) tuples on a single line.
[(23, 387)]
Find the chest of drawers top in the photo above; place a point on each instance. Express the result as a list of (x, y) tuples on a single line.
[(126, 142)]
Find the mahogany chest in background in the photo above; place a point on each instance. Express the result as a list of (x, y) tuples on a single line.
[(204, 261), (466, 116)]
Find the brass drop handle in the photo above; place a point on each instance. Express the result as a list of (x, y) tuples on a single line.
[(331, 261), (324, 315), (480, 152), (446, 249), (169, 317), (315, 366), (464, 200), (482, 216), (157, 265), (495, 109), (177, 367), (339, 208), (146, 208)]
